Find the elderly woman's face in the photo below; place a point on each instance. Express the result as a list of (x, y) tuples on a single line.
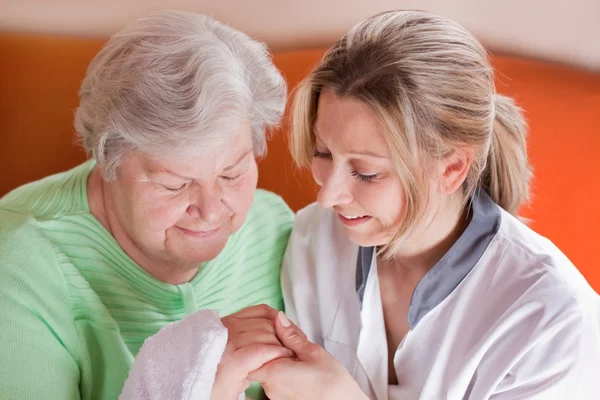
[(182, 213)]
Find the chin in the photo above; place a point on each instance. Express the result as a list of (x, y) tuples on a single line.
[(195, 257), (204, 256), (361, 239), (366, 239)]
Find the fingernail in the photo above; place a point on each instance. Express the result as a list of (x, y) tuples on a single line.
[(285, 322)]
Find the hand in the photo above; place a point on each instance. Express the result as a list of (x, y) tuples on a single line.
[(315, 374), (251, 342)]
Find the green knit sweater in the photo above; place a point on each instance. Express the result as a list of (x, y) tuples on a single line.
[(76, 309)]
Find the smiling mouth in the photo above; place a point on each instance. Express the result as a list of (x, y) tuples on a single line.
[(353, 220), (352, 217), (199, 234)]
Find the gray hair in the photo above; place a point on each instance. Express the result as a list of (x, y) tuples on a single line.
[(173, 84)]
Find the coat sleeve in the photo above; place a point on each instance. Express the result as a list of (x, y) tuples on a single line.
[(298, 281)]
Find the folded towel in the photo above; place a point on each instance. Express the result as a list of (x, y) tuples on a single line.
[(180, 361)]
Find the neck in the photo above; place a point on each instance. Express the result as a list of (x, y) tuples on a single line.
[(100, 207), (439, 236)]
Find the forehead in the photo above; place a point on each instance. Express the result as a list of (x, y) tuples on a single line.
[(344, 123), (212, 159)]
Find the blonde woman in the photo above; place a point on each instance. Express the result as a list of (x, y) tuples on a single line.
[(413, 270)]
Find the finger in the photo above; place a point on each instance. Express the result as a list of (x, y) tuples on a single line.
[(258, 311), (294, 339), (254, 337), (270, 371), (252, 357), (243, 332), (253, 324)]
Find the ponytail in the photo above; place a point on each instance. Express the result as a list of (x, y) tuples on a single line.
[(507, 173)]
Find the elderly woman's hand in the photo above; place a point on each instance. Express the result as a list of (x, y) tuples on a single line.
[(251, 342), (314, 374)]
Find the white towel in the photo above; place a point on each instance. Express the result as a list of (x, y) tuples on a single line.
[(180, 361)]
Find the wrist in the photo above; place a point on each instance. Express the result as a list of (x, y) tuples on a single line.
[(349, 389), (224, 387)]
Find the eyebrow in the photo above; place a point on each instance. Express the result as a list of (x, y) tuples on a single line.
[(189, 178), (239, 160), (367, 153), (360, 153), (163, 170)]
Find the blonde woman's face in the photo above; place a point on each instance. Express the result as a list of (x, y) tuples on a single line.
[(353, 166)]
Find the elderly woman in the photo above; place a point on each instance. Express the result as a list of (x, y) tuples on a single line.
[(163, 220)]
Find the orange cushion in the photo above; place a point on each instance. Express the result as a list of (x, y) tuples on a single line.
[(40, 76)]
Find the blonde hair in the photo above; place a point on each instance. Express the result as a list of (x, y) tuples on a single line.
[(432, 86), (173, 84)]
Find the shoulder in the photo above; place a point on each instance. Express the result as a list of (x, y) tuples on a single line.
[(27, 257), (535, 290), (271, 205), (541, 304), (319, 247), (536, 260), (35, 302), (268, 223), (313, 221), (27, 215), (317, 230), (51, 197), (33, 284)]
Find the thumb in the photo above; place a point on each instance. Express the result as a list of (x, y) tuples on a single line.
[(292, 337)]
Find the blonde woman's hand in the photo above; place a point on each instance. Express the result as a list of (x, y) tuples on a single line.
[(314, 374)]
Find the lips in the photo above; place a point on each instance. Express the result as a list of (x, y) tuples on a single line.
[(353, 217), (199, 233), (353, 220)]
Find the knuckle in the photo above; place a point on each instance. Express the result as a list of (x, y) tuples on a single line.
[(228, 322), (313, 350), (232, 344), (300, 332), (257, 350), (268, 336), (261, 334), (267, 326), (266, 309), (260, 307), (295, 335)]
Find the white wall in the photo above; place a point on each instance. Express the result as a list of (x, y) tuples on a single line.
[(567, 31)]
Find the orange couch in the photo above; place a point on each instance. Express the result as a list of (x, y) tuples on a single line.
[(40, 75)]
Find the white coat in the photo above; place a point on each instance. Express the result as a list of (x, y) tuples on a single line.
[(503, 315)]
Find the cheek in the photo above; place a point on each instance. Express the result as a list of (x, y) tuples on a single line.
[(383, 201), (240, 196), (319, 171), (395, 204), (157, 213)]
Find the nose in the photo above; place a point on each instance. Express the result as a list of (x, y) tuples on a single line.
[(207, 205), (335, 188)]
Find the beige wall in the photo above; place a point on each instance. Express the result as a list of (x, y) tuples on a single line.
[(563, 30)]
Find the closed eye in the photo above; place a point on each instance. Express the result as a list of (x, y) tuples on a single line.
[(231, 178), (364, 178), (176, 189), (319, 154)]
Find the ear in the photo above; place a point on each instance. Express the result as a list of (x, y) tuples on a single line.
[(453, 170)]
